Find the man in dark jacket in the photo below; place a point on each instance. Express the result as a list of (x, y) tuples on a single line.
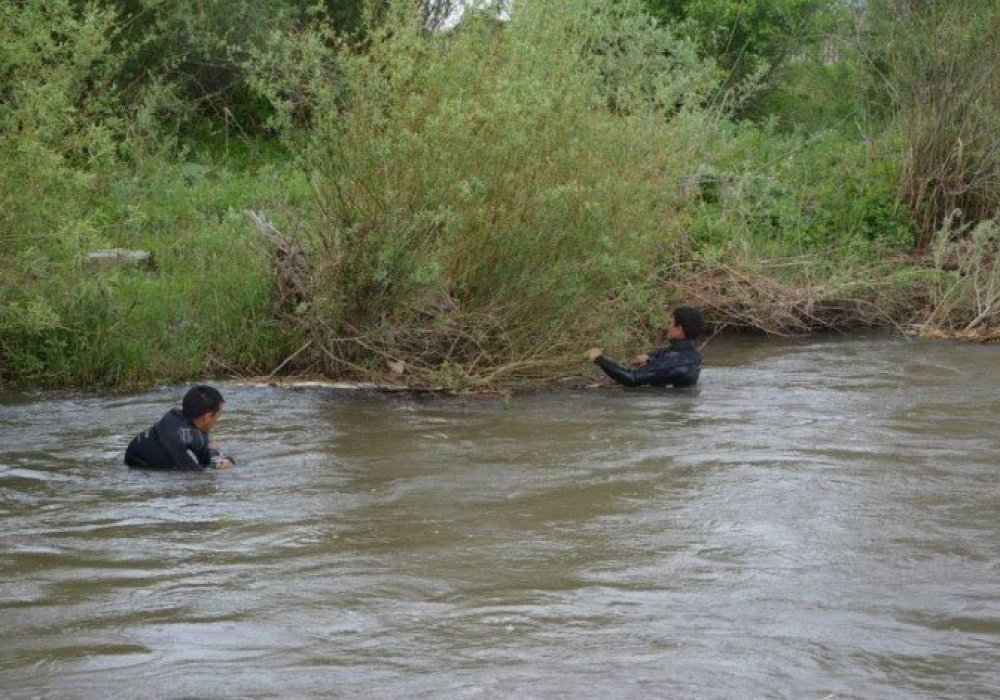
[(678, 364), (180, 439)]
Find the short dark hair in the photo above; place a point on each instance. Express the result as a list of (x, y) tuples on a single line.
[(690, 319), (200, 400)]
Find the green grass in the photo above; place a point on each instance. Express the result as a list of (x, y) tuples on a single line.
[(480, 206), (204, 309)]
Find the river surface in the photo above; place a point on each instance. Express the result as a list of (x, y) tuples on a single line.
[(818, 519)]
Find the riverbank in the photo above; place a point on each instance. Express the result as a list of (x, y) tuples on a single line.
[(572, 373), (468, 210), (135, 328), (223, 300)]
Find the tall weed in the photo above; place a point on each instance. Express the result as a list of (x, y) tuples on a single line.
[(968, 300), (937, 67), (80, 171)]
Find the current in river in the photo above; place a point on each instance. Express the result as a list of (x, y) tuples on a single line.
[(817, 519)]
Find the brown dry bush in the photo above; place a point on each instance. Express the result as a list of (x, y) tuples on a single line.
[(783, 297)]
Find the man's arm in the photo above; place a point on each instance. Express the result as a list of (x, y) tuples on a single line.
[(638, 361), (176, 446), (661, 367), (628, 377), (202, 449)]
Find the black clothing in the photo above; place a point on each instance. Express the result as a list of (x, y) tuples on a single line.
[(678, 364), (173, 443)]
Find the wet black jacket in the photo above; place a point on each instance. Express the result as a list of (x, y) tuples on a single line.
[(678, 364), (173, 443)]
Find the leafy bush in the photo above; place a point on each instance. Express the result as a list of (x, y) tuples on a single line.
[(58, 136), (502, 181), (58, 115), (798, 194), (936, 68), (751, 40)]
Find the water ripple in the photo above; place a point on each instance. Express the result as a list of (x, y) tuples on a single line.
[(816, 520)]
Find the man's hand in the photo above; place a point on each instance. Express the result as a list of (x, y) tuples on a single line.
[(640, 360), (222, 462), (594, 353)]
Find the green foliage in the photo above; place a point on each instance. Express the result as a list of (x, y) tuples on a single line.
[(58, 124), (185, 57), (477, 203), (188, 62), (519, 170), (934, 68), (751, 39), (297, 74), (813, 95), (797, 193)]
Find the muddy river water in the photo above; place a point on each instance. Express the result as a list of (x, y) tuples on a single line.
[(818, 519)]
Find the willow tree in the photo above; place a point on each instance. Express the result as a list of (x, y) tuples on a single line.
[(485, 197)]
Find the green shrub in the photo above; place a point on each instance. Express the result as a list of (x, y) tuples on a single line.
[(58, 125), (516, 181), (935, 69), (812, 94), (798, 194), (754, 41)]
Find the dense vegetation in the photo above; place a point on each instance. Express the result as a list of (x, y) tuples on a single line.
[(372, 190)]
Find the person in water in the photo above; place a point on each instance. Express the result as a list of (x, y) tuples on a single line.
[(180, 439), (678, 364)]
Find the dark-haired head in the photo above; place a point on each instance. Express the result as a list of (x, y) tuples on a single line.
[(200, 400), (690, 319)]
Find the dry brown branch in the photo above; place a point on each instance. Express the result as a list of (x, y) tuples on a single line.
[(288, 259), (777, 298), (442, 345), (288, 359)]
